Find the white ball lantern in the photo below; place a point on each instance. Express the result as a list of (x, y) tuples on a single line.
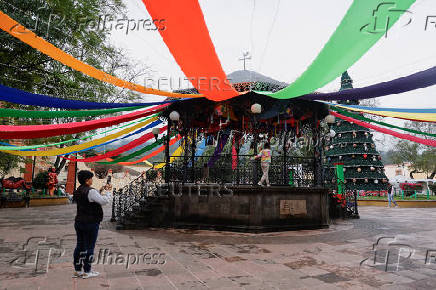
[(332, 133), (174, 116), (330, 119), (256, 108)]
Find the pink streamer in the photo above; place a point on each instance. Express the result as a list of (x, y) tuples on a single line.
[(427, 142)]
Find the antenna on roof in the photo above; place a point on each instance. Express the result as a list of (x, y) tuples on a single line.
[(245, 56)]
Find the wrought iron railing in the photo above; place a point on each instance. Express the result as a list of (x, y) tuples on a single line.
[(126, 198), (243, 170)]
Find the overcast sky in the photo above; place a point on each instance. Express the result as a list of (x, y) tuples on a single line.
[(285, 36)]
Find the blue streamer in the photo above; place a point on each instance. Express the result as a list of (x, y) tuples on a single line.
[(17, 96)]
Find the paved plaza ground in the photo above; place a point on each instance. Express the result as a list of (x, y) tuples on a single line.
[(36, 246)]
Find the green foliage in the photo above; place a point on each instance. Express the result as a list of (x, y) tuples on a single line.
[(40, 181), (7, 162)]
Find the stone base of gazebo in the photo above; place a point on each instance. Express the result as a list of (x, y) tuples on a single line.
[(247, 208)]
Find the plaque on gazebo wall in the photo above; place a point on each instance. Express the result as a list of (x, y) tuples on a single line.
[(292, 208)]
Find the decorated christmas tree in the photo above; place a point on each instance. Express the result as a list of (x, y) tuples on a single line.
[(354, 146)]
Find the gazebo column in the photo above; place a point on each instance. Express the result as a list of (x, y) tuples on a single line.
[(193, 149), (167, 153)]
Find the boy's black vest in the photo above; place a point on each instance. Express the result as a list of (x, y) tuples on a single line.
[(87, 212)]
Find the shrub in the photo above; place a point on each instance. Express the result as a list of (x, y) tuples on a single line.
[(40, 181)]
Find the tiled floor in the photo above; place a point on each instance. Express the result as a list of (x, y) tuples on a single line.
[(350, 254)]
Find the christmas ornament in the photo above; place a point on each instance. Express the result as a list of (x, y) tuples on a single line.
[(379, 157), (372, 146), (354, 134), (331, 146), (372, 168), (374, 159), (339, 135), (340, 157), (366, 180), (354, 180), (359, 169), (353, 156), (366, 134), (376, 181), (354, 145), (365, 156)]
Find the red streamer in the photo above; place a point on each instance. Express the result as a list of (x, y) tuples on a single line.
[(118, 151), (387, 131), (185, 33), (42, 131)]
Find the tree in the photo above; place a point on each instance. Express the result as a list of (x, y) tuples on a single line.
[(354, 146), (67, 24), (421, 157)]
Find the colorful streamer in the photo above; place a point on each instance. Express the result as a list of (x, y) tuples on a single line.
[(362, 118), (17, 96), (427, 142), (79, 147), (13, 113), (144, 138), (423, 117), (355, 35), (152, 125), (15, 29), (187, 37), (218, 149), (174, 156), (419, 80), (398, 110), (154, 153), (14, 147), (42, 131), (137, 152)]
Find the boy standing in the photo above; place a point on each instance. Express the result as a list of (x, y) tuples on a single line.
[(87, 222)]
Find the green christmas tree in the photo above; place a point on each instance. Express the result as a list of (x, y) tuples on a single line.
[(354, 146)]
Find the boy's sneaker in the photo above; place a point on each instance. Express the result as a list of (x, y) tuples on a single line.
[(90, 275), (77, 274)]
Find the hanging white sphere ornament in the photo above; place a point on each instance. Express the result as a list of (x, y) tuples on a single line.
[(354, 145), (376, 181), (372, 168), (340, 158), (345, 169), (332, 133), (354, 180), (331, 146), (174, 116), (366, 180), (256, 108), (359, 169), (330, 119), (339, 135)]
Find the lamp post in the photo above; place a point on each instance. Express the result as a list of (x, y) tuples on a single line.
[(255, 109), (174, 116)]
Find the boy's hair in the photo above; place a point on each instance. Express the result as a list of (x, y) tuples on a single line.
[(266, 146), (84, 175)]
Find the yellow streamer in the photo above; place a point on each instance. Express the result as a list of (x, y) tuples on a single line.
[(429, 117), (82, 146), (27, 36), (176, 155)]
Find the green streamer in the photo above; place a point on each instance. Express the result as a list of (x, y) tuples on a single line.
[(362, 118), (12, 113), (19, 148), (354, 36), (136, 153)]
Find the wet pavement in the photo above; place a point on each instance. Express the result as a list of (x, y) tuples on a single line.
[(387, 248)]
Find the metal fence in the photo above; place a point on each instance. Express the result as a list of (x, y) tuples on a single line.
[(243, 170)]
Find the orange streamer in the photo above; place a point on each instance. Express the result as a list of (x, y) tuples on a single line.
[(27, 36), (187, 37)]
